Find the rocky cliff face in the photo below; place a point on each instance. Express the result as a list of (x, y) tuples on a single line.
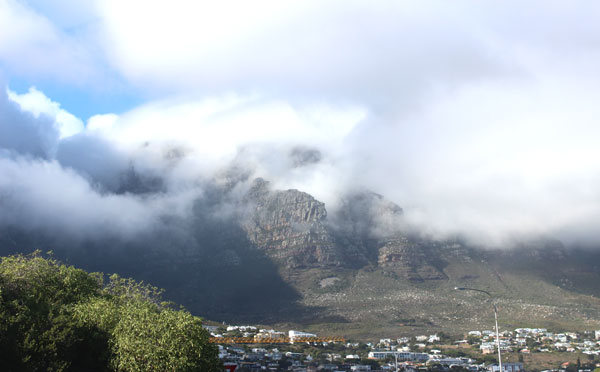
[(290, 226), (294, 229), (262, 255)]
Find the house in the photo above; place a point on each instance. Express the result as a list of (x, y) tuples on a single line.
[(327, 367), (268, 334), (400, 355), (241, 328), (433, 338), (222, 352), (297, 334), (361, 368), (274, 355), (507, 367), (452, 361), (211, 329), (381, 354), (487, 347)]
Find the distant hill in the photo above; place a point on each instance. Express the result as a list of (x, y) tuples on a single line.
[(278, 257)]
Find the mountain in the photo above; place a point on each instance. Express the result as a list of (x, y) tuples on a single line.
[(277, 257)]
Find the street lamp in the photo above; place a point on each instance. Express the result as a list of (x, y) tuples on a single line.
[(495, 318)]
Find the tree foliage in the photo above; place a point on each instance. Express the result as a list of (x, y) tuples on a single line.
[(55, 317)]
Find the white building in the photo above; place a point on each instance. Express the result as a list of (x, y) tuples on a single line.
[(293, 334), (507, 367), (451, 361), (297, 334), (222, 352), (487, 347), (422, 357), (433, 338), (241, 328)]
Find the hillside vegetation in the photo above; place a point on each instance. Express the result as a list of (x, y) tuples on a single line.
[(55, 317), (280, 258)]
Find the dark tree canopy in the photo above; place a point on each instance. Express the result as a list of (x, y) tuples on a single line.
[(55, 317)]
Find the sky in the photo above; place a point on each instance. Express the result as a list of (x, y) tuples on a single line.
[(478, 118)]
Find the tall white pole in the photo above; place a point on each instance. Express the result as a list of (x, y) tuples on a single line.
[(497, 338), (495, 319)]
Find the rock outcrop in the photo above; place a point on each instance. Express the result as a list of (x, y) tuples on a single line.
[(290, 226), (293, 229)]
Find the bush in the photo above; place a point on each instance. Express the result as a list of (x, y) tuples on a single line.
[(55, 317)]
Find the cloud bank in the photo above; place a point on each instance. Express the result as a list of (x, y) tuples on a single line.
[(478, 119)]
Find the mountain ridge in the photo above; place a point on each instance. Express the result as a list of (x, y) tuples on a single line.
[(278, 256)]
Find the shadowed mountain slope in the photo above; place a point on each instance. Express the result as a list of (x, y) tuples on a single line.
[(277, 256)]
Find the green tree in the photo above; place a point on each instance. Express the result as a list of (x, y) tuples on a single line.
[(146, 334), (37, 331), (149, 340), (55, 317)]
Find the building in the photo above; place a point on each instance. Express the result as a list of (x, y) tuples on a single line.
[(451, 361), (487, 347), (268, 335), (360, 368), (417, 357), (507, 367), (433, 338), (297, 334), (211, 329)]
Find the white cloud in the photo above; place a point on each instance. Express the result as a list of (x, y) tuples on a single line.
[(22, 133), (384, 53), (43, 195), (494, 161), (102, 122), (38, 104), (477, 118), (32, 46)]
